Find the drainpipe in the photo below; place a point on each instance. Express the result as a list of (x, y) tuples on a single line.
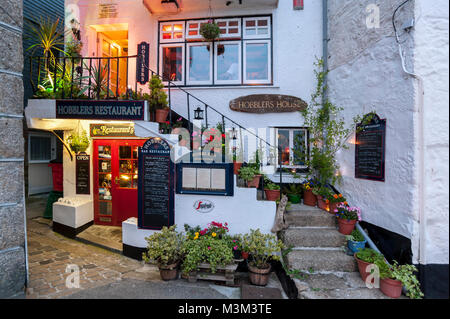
[(325, 44)]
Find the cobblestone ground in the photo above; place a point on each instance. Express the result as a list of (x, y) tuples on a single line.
[(50, 254)]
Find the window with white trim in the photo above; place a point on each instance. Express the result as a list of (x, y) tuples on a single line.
[(241, 56), (292, 142)]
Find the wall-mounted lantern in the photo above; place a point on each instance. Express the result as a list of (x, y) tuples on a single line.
[(198, 114)]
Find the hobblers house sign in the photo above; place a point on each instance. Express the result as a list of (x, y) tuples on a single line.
[(204, 206), (267, 103)]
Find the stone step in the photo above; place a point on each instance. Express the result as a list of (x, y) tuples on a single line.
[(313, 237), (326, 259), (307, 216)]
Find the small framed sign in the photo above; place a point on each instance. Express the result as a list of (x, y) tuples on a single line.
[(82, 175)]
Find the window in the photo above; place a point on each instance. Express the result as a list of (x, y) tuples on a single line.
[(293, 142), (242, 55), (42, 148)]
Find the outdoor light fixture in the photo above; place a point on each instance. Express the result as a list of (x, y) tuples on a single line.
[(170, 5), (234, 134), (198, 114)]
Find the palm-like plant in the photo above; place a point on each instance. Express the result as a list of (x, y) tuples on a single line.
[(48, 38)]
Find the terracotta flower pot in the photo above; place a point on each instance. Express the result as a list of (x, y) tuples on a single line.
[(258, 276), (309, 198), (254, 182), (272, 195), (391, 287), (237, 166), (244, 254), (362, 266), (321, 203), (168, 272), (161, 115), (346, 226), (333, 207)]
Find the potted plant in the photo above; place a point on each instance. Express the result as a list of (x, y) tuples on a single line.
[(251, 175), (322, 193), (394, 277), (272, 191), (355, 241), (333, 200), (262, 248), (364, 258), (78, 142), (236, 165), (210, 31), (347, 218), (157, 99), (235, 243), (166, 248), (294, 192), (308, 196)]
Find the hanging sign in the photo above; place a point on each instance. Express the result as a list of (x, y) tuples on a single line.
[(82, 174), (100, 110), (267, 103), (370, 149), (142, 71), (112, 130), (156, 185)]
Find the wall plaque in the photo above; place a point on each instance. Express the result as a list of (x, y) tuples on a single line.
[(100, 110), (143, 62), (156, 185), (267, 103), (82, 174), (107, 10), (370, 149), (112, 130)]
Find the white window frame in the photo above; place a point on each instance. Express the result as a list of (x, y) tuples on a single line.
[(238, 81), (269, 62), (189, 45), (173, 45), (172, 23), (52, 147), (257, 36), (199, 36), (291, 145), (227, 35)]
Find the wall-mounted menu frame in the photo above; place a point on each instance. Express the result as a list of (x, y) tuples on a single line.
[(370, 148), (82, 174), (156, 173)]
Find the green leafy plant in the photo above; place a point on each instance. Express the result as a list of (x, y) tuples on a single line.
[(368, 255), (157, 97), (210, 31), (294, 189), (271, 187), (166, 247), (262, 247), (247, 173), (47, 37), (355, 236), (78, 141)]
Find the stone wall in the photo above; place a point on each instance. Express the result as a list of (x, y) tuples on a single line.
[(12, 225)]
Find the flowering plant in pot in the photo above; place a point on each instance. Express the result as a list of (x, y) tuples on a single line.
[(394, 277), (347, 218), (323, 193), (365, 257), (166, 248), (262, 248), (272, 191), (355, 241), (308, 196), (251, 175), (333, 200), (235, 244)]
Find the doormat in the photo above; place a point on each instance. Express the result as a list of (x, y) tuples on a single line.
[(255, 292)]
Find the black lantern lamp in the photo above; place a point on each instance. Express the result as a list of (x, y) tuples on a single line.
[(198, 114), (234, 134)]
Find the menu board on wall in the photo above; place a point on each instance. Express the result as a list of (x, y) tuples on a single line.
[(370, 149), (82, 172), (156, 185)]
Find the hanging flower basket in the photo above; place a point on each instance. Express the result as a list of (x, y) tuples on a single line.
[(210, 31)]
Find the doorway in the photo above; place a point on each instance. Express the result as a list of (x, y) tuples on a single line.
[(115, 180)]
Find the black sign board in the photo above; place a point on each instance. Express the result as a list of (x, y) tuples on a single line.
[(156, 185), (143, 61), (82, 174), (100, 110), (370, 149)]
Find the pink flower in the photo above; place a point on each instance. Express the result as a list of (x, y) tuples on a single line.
[(209, 248), (235, 247)]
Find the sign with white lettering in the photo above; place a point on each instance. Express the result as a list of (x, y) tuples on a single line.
[(100, 110), (204, 206), (82, 175), (267, 103), (143, 62)]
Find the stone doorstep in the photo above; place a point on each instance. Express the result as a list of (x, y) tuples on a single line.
[(313, 237)]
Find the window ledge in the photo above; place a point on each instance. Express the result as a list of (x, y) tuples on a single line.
[(230, 87)]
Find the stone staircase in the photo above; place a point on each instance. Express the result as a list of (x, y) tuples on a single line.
[(319, 265)]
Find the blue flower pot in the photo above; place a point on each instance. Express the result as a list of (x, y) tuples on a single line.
[(355, 246)]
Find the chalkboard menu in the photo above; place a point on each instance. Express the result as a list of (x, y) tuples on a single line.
[(370, 149), (156, 185), (82, 174)]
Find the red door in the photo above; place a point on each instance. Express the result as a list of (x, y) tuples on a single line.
[(115, 180)]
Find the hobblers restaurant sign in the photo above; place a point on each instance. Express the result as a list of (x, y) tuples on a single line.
[(267, 103), (100, 110), (204, 206)]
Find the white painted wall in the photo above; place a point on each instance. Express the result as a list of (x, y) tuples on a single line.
[(431, 58)]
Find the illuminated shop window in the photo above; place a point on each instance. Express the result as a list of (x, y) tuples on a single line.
[(293, 143), (172, 63)]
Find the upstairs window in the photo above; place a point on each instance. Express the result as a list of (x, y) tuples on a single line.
[(257, 28), (172, 32), (193, 29), (229, 28)]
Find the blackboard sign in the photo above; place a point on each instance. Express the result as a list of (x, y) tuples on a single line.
[(370, 149), (143, 62), (156, 185), (100, 110), (82, 174)]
